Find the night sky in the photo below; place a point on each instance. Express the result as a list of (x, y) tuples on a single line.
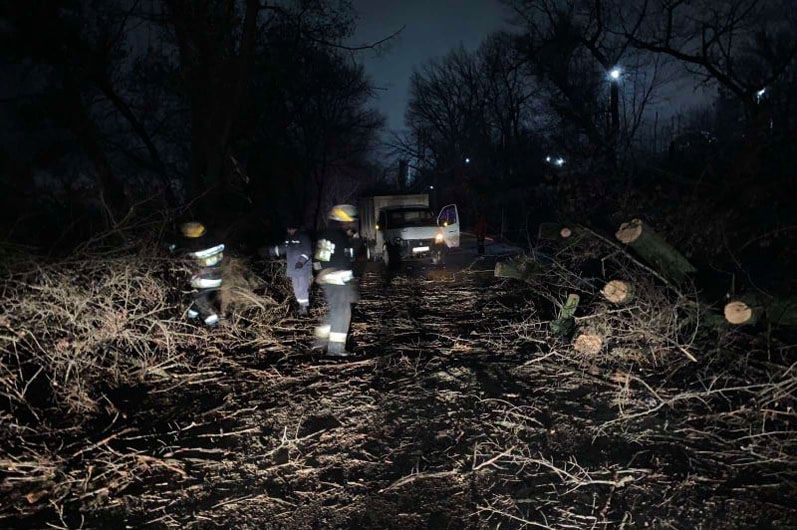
[(433, 28)]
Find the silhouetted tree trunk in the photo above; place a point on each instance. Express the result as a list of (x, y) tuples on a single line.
[(80, 123), (216, 70)]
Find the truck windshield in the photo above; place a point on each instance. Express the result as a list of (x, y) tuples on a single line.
[(410, 217)]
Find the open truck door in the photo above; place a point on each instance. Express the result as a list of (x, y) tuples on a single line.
[(448, 220)]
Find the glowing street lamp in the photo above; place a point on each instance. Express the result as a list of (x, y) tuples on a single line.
[(615, 73), (467, 160), (760, 95)]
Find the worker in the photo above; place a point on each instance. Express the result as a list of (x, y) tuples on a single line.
[(481, 233), (205, 259), (334, 257), (296, 250)]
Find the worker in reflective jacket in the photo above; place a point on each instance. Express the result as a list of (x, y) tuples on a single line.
[(205, 257), (296, 250), (333, 259)]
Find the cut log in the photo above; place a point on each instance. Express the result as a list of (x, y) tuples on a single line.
[(517, 269), (738, 312), (555, 231), (505, 269), (618, 292), (652, 248), (565, 324), (750, 309), (588, 343)]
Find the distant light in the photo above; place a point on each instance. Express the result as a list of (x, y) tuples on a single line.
[(431, 187), (615, 73), (557, 161), (760, 95), (467, 160)]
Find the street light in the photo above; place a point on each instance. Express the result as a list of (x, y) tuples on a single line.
[(760, 95), (615, 73), (467, 160)]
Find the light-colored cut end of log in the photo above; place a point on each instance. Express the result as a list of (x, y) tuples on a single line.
[(616, 291), (629, 232), (565, 232), (588, 343), (738, 312)]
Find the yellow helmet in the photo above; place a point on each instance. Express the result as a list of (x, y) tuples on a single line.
[(345, 213), (192, 229)]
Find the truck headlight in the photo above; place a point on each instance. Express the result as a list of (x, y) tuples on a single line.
[(438, 238)]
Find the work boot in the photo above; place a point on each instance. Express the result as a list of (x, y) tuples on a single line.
[(337, 349), (321, 337)]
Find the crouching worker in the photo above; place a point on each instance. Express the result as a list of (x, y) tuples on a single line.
[(296, 250), (205, 257), (334, 259)]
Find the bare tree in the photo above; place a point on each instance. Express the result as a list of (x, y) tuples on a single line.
[(744, 45), (572, 45)]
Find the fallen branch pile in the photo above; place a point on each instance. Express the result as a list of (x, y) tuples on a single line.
[(80, 338), (685, 373)]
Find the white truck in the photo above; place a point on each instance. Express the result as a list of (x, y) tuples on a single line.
[(400, 227)]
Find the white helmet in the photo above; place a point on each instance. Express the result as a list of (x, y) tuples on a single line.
[(344, 213)]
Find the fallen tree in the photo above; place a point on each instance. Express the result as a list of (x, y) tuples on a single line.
[(655, 251), (752, 309)]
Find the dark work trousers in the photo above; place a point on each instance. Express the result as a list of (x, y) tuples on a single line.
[(203, 306), (339, 299), (301, 281)]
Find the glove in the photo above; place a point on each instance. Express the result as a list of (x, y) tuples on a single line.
[(298, 265)]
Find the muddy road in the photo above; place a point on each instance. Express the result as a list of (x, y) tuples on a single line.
[(450, 416)]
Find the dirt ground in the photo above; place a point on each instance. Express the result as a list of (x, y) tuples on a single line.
[(447, 418)]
